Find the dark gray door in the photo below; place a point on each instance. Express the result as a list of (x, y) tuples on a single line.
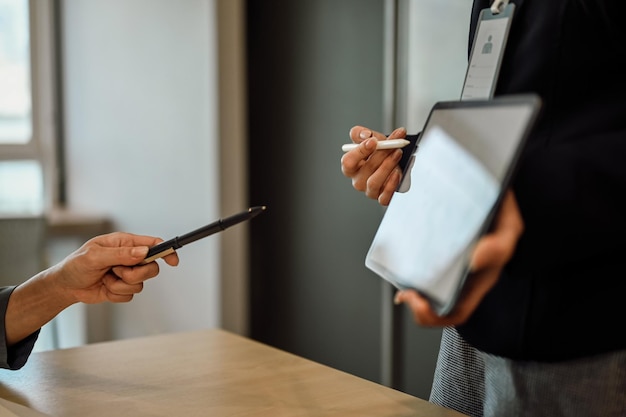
[(314, 70)]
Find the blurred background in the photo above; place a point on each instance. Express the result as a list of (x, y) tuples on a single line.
[(159, 116)]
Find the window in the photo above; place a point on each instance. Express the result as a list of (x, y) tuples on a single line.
[(15, 100), (27, 122)]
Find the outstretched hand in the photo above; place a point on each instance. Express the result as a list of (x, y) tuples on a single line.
[(106, 268)]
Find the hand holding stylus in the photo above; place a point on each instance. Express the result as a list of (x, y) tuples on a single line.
[(375, 173)]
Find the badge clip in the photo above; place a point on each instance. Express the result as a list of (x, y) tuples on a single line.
[(498, 6)]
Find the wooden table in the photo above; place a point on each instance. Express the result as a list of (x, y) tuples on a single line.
[(202, 373)]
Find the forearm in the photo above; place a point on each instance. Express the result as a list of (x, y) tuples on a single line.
[(33, 304)]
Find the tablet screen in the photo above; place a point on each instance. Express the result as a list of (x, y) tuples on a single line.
[(453, 181)]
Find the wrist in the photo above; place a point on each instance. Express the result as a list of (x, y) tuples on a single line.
[(34, 303), (52, 284)]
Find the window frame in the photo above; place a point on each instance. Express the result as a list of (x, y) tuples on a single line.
[(45, 98)]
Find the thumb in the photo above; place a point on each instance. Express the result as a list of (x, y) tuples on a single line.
[(139, 251), (124, 255)]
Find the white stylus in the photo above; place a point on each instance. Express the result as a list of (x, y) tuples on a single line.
[(382, 144)]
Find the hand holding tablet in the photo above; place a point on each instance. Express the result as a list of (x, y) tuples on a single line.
[(453, 184)]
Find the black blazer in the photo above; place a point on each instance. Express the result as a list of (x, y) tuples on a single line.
[(561, 296)]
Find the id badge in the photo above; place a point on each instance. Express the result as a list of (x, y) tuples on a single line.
[(487, 51)]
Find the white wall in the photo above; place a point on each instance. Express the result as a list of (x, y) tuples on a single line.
[(437, 55), (142, 143)]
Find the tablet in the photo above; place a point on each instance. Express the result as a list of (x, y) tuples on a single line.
[(451, 187)]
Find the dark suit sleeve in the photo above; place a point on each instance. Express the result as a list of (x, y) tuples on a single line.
[(13, 357)]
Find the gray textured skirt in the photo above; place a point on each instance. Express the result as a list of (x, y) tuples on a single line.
[(478, 384)]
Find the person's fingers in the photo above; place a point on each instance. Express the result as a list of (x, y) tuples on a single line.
[(424, 315), (353, 161), (390, 187), (113, 249), (119, 287), (374, 172), (398, 133), (375, 183), (127, 239), (359, 133), (171, 259), (492, 252), (422, 312), (109, 288), (107, 257), (136, 274), (476, 288), (121, 239), (116, 298)]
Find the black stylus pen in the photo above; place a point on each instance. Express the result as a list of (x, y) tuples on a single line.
[(169, 246)]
